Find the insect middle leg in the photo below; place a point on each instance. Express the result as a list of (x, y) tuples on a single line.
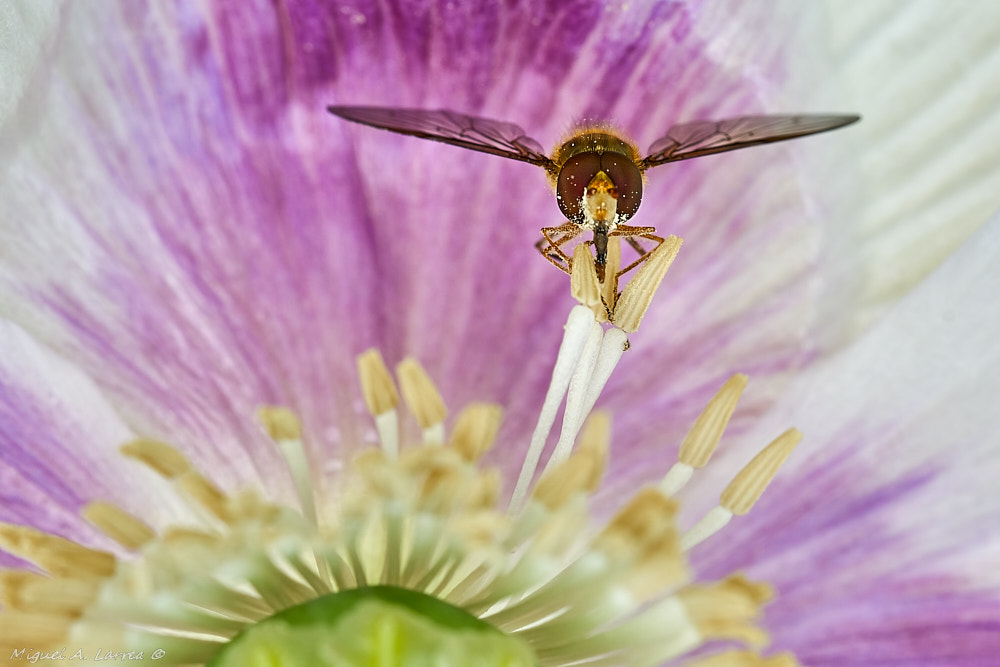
[(630, 234), (551, 245)]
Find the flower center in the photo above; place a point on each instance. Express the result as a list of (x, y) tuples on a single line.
[(251, 578), (375, 625)]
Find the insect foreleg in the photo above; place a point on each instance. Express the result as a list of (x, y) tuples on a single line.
[(550, 245)]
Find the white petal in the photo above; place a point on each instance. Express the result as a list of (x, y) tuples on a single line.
[(926, 78), (25, 28)]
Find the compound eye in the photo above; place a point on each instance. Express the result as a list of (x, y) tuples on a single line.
[(628, 182), (574, 177)]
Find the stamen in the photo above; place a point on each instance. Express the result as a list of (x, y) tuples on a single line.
[(704, 436), (55, 555), (745, 489), (595, 439), (562, 482), (475, 430), (748, 485), (584, 285), (647, 516), (159, 456), (381, 398), (118, 524), (613, 346), (576, 404), (725, 609), (638, 294), (578, 326), (33, 628), (283, 426), (203, 494), (423, 399), (30, 592), (425, 519)]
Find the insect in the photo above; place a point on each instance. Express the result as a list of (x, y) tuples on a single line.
[(597, 174)]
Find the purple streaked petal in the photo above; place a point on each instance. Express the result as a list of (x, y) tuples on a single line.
[(222, 243), (226, 243), (61, 441), (888, 512)]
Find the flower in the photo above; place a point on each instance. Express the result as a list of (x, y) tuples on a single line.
[(183, 226)]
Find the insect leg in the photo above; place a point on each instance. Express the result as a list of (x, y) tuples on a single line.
[(642, 232), (553, 238), (635, 245)]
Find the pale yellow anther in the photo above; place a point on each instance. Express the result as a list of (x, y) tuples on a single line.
[(593, 443), (377, 387), (441, 490), (55, 555), (737, 658), (37, 630), (638, 294), (279, 422), (30, 592), (118, 524), (749, 483), (203, 493), (486, 491), (704, 436), (181, 537), (561, 484), (583, 284), (159, 456), (659, 566), (420, 394), (647, 518), (726, 609), (475, 430)]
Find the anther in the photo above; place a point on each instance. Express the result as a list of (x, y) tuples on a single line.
[(748, 485), (726, 609), (159, 456), (55, 555), (638, 294), (584, 285), (202, 493), (118, 524), (283, 426), (745, 489), (703, 438), (423, 399), (381, 398), (737, 658), (475, 430)]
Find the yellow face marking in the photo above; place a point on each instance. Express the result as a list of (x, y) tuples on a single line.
[(600, 200)]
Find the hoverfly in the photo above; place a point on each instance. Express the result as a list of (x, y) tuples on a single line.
[(597, 174)]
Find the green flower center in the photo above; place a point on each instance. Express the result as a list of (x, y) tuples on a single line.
[(380, 626)]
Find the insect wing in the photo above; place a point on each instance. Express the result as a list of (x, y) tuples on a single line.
[(450, 127), (705, 137)]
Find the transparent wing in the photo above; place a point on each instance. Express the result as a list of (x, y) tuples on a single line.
[(705, 137), (478, 134)]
